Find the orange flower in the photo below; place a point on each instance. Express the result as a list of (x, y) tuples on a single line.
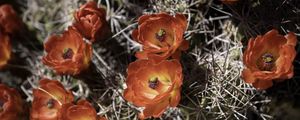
[(67, 54), (5, 49), (269, 57), (9, 20), (90, 21), (154, 86), (82, 111), (10, 103), (48, 100), (161, 36)]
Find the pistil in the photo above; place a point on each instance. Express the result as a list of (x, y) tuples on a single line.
[(160, 35), (50, 103), (153, 83), (68, 53), (266, 62)]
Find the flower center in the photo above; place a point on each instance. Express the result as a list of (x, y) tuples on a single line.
[(1, 105), (266, 62), (68, 53), (153, 82), (50, 103), (160, 35)]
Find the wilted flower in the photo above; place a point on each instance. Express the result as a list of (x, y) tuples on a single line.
[(269, 57), (48, 100), (154, 86), (9, 20), (67, 54), (161, 36), (5, 49), (11, 105), (90, 21), (229, 1), (101, 118), (83, 110)]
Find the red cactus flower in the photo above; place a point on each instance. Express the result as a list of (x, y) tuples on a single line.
[(269, 57)]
